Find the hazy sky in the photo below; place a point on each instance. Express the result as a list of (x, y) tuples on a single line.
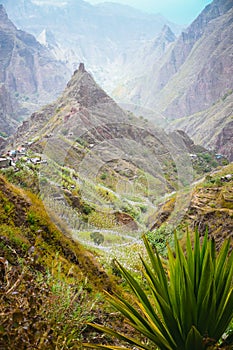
[(179, 11)]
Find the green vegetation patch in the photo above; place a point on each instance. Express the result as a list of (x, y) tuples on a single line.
[(188, 302)]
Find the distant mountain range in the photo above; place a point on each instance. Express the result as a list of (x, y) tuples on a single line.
[(67, 34), (29, 74), (97, 35), (175, 80), (191, 85)]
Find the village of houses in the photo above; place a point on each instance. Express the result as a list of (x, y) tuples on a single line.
[(10, 158)]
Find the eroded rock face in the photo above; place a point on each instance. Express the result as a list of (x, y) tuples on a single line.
[(224, 142), (28, 71), (8, 121), (84, 89), (198, 69), (26, 66), (210, 74), (190, 37), (189, 82)]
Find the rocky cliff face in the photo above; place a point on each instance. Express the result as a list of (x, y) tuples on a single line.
[(28, 71), (224, 141), (192, 78), (205, 74), (8, 118), (197, 70), (192, 35), (211, 127)]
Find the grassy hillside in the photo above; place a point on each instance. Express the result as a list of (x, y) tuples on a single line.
[(210, 208), (49, 283), (51, 286)]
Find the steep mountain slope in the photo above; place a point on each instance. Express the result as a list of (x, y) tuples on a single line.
[(8, 117), (210, 208), (49, 282), (103, 169), (193, 75), (28, 72), (203, 49), (211, 127), (25, 223), (206, 73)]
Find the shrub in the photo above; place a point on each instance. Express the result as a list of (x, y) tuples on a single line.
[(159, 238), (86, 209), (189, 305), (97, 238), (81, 141), (103, 176)]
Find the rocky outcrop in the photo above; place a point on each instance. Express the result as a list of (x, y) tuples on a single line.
[(84, 89)]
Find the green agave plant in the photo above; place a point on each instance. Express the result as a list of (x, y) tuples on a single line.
[(187, 306)]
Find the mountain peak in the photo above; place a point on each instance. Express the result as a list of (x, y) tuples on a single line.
[(47, 38), (83, 88), (82, 103), (81, 68), (2, 11), (168, 34), (212, 11), (4, 19), (164, 39)]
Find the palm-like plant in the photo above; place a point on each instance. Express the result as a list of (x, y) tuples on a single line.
[(188, 305)]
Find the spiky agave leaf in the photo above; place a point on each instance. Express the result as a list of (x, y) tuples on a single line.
[(193, 301)]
